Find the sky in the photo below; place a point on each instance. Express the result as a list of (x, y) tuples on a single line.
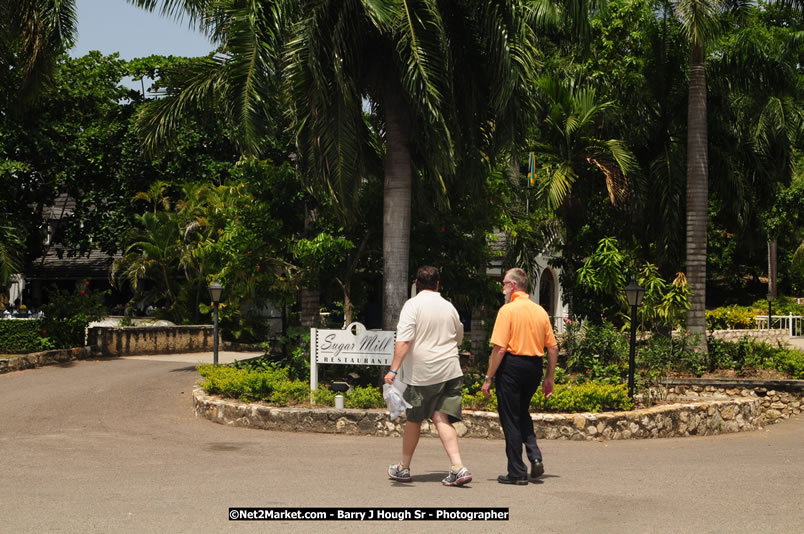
[(116, 26)]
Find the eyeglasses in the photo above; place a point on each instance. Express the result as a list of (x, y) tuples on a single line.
[(506, 282)]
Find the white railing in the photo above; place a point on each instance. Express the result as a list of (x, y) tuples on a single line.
[(791, 323)]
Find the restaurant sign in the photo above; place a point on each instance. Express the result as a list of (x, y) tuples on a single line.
[(354, 345)]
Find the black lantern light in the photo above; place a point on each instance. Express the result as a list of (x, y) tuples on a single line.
[(215, 292), (634, 293)]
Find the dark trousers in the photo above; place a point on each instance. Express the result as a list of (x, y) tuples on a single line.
[(518, 378)]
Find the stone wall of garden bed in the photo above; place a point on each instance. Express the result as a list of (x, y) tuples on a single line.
[(134, 340), (48, 357), (701, 418), (778, 399), (774, 336)]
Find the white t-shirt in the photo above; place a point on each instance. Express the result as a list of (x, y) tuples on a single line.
[(432, 326)]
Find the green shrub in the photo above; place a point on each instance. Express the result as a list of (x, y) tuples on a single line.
[(477, 401), (733, 317), (245, 384), (743, 317), (473, 378), (261, 380), (744, 354), (324, 396), (365, 398), (612, 373), (65, 333), (586, 397), (287, 392), (790, 362), (589, 344), (679, 353), (69, 312), (292, 352), (23, 335), (263, 363)]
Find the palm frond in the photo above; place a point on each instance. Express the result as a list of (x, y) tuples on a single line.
[(195, 11), (38, 32), (699, 19), (158, 121), (421, 50), (11, 253), (555, 184)]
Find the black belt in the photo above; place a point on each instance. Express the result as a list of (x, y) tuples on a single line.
[(522, 355)]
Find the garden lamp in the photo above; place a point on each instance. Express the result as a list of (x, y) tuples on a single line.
[(634, 294), (215, 291)]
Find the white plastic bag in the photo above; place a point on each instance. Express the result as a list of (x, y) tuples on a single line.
[(393, 398)]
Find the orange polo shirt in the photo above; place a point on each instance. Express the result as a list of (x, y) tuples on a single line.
[(523, 327)]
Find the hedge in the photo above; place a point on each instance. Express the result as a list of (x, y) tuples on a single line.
[(21, 336), (275, 387)]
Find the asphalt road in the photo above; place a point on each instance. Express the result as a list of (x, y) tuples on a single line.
[(113, 446)]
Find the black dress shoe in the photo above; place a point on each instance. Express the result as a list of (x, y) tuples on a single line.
[(536, 468), (507, 479)]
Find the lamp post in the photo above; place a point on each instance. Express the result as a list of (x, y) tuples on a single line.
[(215, 290), (634, 294), (769, 296)]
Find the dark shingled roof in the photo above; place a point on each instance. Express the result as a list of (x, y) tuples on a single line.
[(95, 265)]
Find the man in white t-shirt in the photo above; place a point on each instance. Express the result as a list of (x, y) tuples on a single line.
[(426, 359)]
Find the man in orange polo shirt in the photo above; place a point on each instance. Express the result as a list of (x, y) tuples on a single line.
[(521, 336)]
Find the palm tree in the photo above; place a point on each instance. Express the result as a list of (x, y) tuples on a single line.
[(568, 148), (443, 82), (33, 33), (153, 254), (11, 253), (156, 196), (698, 20), (768, 122), (573, 113)]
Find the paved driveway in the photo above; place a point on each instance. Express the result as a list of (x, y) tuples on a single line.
[(113, 446)]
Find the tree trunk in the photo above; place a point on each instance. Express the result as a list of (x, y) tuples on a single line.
[(396, 208), (480, 346), (772, 267), (697, 192), (310, 307), (346, 283), (310, 297), (347, 305)]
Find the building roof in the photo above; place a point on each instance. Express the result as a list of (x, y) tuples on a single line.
[(95, 265)]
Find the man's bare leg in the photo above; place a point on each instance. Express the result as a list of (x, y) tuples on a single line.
[(448, 435), (409, 442)]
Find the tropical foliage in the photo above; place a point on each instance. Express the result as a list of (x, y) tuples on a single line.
[(210, 233), (666, 140)]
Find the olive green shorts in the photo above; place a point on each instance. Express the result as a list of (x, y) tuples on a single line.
[(444, 397)]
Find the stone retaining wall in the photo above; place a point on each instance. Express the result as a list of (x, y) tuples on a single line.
[(778, 399), (132, 340), (774, 336), (684, 419), (48, 357)]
